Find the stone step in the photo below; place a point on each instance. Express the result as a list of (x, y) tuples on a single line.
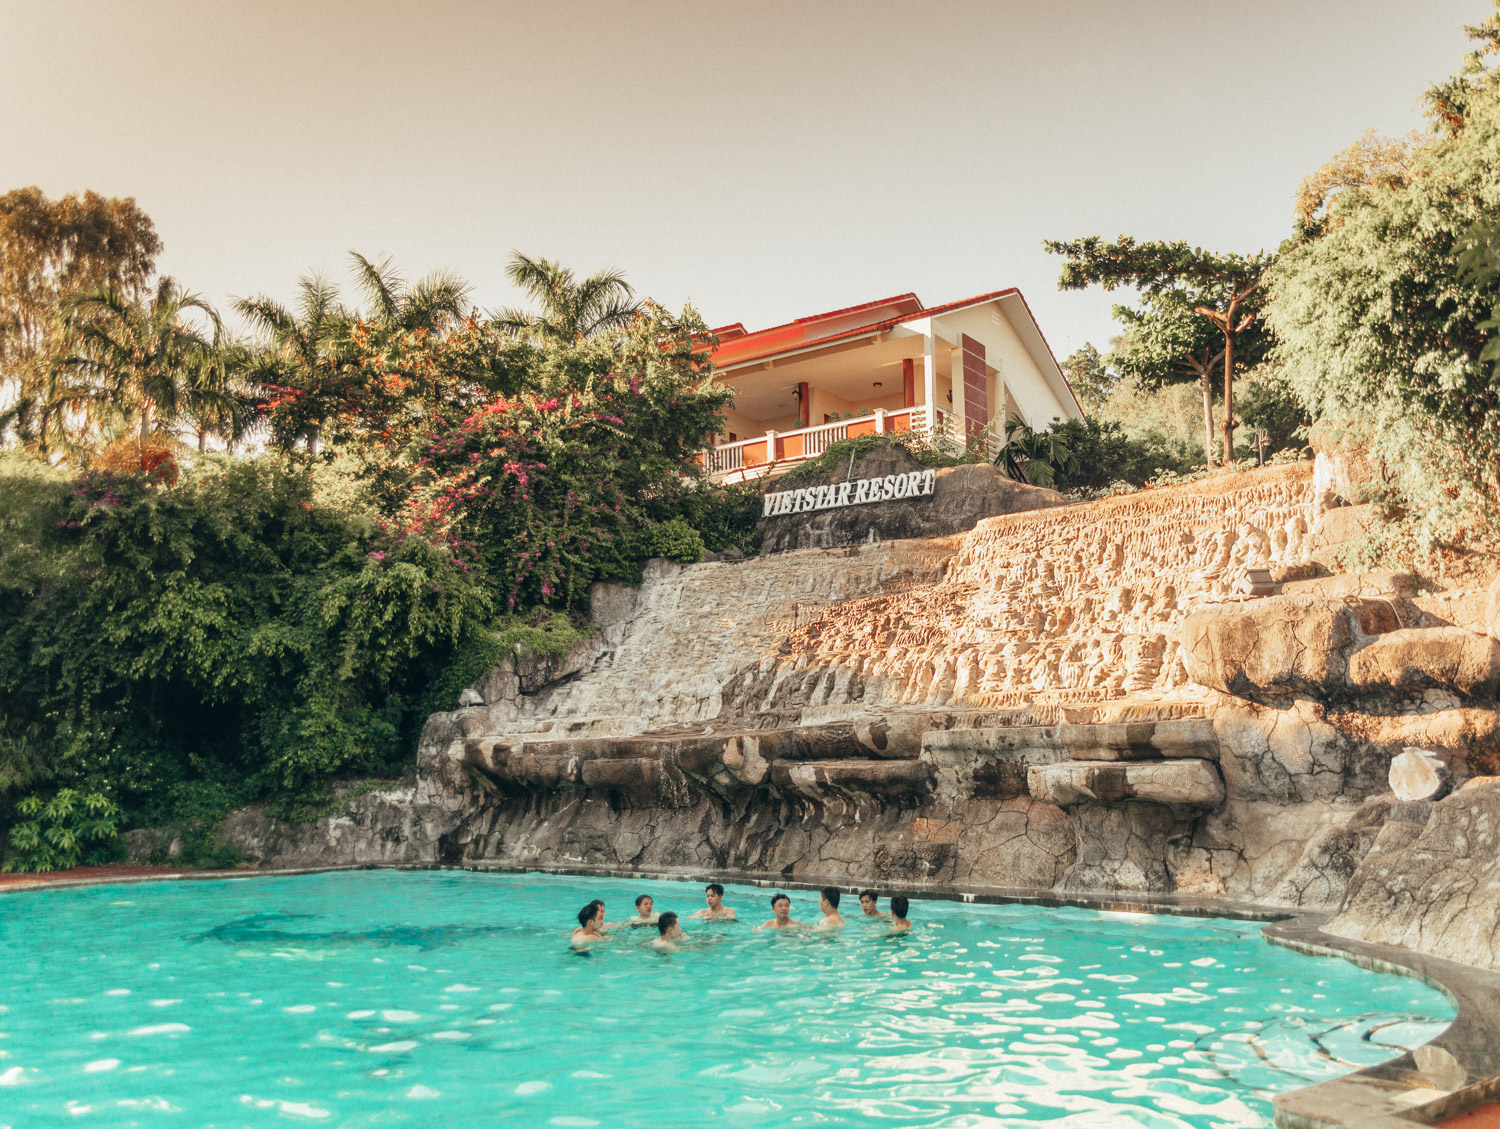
[(1186, 783), (1172, 738)]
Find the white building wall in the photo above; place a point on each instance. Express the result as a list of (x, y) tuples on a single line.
[(1004, 351)]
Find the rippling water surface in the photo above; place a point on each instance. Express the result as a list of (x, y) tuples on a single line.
[(450, 999)]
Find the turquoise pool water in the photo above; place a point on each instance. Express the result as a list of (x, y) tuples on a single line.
[(441, 998)]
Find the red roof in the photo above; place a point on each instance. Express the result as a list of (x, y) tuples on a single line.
[(740, 346)]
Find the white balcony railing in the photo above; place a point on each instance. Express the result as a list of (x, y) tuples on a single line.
[(748, 458)]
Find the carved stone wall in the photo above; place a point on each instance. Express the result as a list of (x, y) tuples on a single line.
[(1072, 698)]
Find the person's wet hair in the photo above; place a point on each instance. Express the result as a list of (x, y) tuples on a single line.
[(586, 914), (665, 922), (871, 894), (643, 898), (714, 888), (832, 894), (898, 906), (779, 898)]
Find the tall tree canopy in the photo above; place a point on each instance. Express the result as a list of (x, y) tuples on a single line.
[(148, 362), (1381, 320), (1177, 283), (50, 249), (569, 309)]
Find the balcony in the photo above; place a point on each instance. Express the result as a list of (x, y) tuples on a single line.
[(779, 451)]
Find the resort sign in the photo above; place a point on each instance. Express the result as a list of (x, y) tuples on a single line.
[(913, 484)]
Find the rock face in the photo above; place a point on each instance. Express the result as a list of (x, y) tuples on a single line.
[(1073, 697), (960, 498), (1431, 881)]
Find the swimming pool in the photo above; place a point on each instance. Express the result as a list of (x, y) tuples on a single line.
[(380, 998)]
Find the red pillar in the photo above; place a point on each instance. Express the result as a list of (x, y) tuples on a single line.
[(908, 383), (802, 416)]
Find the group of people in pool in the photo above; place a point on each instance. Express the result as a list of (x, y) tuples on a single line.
[(593, 927)]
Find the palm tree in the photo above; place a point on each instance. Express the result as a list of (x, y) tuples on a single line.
[(140, 357), (434, 302), (219, 396), (305, 342), (570, 310)]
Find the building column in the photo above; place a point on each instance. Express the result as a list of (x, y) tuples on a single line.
[(908, 383), (929, 380), (960, 408)]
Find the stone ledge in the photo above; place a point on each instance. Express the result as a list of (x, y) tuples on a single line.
[(1186, 783), (1144, 740), (1455, 1072)]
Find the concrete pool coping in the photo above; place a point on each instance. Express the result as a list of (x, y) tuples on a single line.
[(1453, 1073)]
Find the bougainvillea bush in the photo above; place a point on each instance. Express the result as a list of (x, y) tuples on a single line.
[(562, 484), (173, 645)]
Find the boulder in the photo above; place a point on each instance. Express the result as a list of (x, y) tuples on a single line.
[(1419, 774), (1185, 783), (961, 497), (1434, 888), (1280, 645), (1427, 658), (1492, 609)]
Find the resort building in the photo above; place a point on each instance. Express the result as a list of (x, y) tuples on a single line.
[(956, 373)]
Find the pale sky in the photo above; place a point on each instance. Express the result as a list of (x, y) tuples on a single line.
[(761, 160)]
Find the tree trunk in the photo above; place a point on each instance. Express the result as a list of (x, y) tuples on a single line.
[(1229, 392), (1205, 380), (145, 422)]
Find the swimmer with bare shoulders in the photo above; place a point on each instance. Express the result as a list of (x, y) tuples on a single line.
[(781, 906), (644, 911), (671, 932), (716, 910), (900, 923), (591, 925), (869, 903), (828, 902)]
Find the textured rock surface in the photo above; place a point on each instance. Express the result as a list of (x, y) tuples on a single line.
[(1427, 658), (1433, 884), (1071, 698), (961, 497)]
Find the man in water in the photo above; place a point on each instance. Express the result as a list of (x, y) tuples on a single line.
[(900, 923), (828, 902), (781, 906), (644, 911), (670, 931), (590, 924), (716, 910), (869, 902)]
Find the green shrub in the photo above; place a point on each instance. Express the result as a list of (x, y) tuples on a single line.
[(676, 540), (227, 630), (68, 829)]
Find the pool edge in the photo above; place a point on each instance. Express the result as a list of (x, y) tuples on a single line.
[(1452, 1073)]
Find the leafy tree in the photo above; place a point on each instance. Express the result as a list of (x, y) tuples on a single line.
[(50, 249), (372, 376), (146, 360), (1382, 321), (1224, 289), (1087, 454), (1371, 162), (226, 631), (302, 349), (1089, 375), (436, 302), (570, 310)]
